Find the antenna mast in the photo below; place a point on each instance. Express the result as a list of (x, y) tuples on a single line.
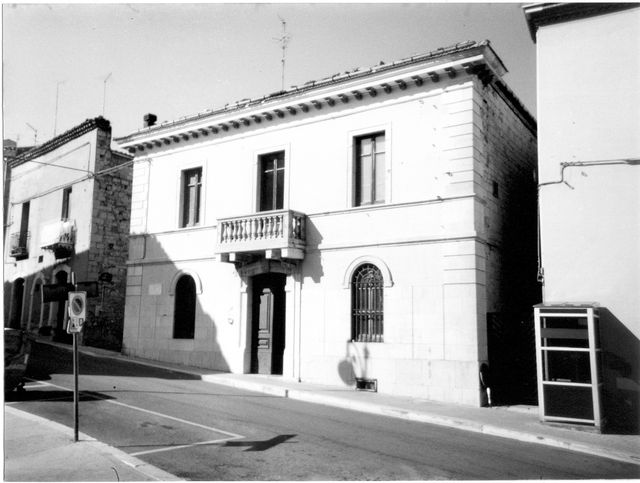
[(104, 93), (55, 121), (35, 134), (284, 41)]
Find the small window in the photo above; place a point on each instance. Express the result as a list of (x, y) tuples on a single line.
[(271, 183), (184, 315), (367, 307), (191, 197), (496, 189), (66, 198), (369, 169)]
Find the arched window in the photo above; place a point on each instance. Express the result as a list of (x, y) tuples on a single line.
[(184, 315), (367, 309)]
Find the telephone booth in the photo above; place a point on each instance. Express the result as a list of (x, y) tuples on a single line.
[(568, 363)]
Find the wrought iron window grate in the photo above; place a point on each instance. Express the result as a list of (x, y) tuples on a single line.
[(367, 294)]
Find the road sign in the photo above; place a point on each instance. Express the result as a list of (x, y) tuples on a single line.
[(78, 305), (75, 325)]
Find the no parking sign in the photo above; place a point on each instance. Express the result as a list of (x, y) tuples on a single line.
[(77, 311)]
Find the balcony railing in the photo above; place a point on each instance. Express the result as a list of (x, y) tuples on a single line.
[(277, 233), (59, 236), (19, 245)]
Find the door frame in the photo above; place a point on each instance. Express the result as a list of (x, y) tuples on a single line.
[(293, 287)]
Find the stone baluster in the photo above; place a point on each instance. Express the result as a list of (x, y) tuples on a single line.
[(280, 226), (270, 227)]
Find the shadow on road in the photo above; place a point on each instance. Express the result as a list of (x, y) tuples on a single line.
[(261, 445), (52, 395), (47, 359)]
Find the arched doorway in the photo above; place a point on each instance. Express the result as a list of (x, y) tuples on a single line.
[(184, 315), (36, 307), (61, 332), (15, 320)]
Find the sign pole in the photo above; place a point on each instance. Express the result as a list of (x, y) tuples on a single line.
[(76, 416), (75, 387), (77, 316)]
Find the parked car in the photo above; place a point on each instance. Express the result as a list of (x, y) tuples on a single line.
[(17, 347)]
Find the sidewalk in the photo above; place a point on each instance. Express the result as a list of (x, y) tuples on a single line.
[(36, 449), (520, 423)]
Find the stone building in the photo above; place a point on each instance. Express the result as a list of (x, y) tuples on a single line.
[(589, 187), (360, 229), (68, 213)]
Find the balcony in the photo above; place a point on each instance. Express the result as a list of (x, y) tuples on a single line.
[(19, 245), (272, 235), (60, 237)]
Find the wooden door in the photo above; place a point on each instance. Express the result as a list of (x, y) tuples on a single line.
[(268, 324)]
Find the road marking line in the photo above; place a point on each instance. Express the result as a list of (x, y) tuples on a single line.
[(184, 421), (35, 384), (159, 450)]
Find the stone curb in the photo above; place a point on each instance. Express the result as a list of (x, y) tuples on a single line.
[(131, 461), (390, 411)]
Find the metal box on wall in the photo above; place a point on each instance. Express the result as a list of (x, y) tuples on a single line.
[(568, 361)]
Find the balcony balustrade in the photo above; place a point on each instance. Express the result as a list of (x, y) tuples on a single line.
[(272, 234), (19, 245), (60, 237)]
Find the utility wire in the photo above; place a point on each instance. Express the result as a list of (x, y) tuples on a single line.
[(90, 175)]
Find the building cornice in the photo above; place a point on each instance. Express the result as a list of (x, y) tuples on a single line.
[(468, 58), (542, 14)]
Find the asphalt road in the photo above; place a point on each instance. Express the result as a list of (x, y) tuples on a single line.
[(202, 431)]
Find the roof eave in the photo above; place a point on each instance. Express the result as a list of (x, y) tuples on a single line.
[(476, 58), (542, 14)]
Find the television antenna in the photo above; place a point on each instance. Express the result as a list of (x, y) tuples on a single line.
[(104, 92), (35, 133), (55, 121), (284, 41)]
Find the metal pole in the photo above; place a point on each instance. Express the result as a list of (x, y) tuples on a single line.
[(75, 387), (76, 418)]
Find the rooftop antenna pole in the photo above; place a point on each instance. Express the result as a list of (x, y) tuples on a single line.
[(55, 121), (35, 134), (104, 93), (284, 40)]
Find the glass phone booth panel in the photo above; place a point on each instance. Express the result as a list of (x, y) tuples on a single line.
[(568, 363)]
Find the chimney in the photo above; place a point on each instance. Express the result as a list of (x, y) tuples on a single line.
[(149, 119)]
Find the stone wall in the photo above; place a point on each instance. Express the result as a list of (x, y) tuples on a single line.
[(109, 247)]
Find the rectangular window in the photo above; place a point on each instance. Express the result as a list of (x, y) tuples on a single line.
[(19, 242), (191, 194), (271, 182), (24, 225), (66, 197), (369, 167)]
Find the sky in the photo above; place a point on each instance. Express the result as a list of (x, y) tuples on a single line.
[(64, 63)]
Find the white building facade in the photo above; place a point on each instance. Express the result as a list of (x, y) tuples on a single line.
[(360, 227), (589, 165)]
